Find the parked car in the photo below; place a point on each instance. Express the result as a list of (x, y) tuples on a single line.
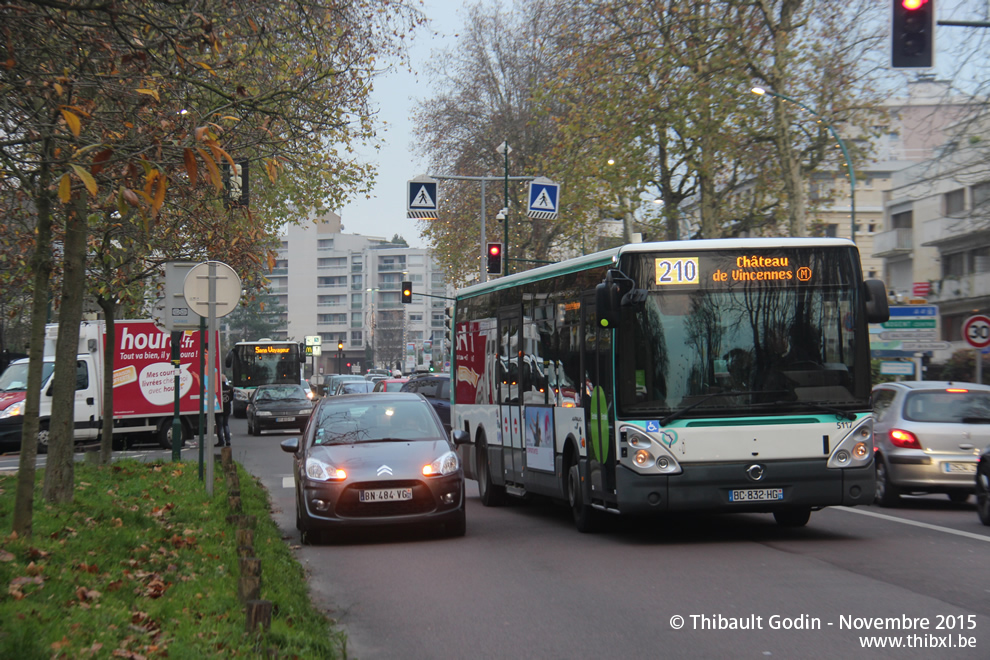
[(928, 436), (354, 387), (390, 384), (331, 381), (983, 487), (436, 389), (376, 459), (274, 407)]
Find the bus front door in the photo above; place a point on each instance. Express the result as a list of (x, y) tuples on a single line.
[(599, 405), (509, 395)]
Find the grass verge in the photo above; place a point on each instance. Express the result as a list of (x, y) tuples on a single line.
[(143, 564)]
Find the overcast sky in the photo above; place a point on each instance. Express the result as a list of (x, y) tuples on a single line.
[(395, 94)]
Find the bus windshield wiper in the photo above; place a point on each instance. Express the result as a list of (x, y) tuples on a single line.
[(845, 414), (677, 414)]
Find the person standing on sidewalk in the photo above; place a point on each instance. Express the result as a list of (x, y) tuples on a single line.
[(226, 407)]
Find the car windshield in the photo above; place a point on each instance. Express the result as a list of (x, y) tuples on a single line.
[(948, 407), (352, 423), (14, 378), (280, 393)]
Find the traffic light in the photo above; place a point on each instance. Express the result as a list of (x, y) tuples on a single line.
[(340, 345), (407, 292), (494, 258), (912, 32)]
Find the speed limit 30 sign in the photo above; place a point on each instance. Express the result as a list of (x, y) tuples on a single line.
[(976, 331)]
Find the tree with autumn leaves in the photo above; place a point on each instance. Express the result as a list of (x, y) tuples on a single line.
[(642, 112), (118, 120)]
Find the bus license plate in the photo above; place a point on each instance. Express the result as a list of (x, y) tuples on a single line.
[(756, 495), (960, 467), (386, 495)]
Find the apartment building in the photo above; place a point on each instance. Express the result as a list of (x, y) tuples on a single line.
[(346, 289)]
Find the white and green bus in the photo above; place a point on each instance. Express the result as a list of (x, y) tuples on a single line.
[(727, 375)]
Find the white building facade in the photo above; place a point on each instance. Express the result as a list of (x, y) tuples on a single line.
[(347, 289)]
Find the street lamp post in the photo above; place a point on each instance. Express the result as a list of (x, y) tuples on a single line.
[(505, 150), (759, 91)]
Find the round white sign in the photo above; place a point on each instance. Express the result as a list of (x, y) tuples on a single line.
[(196, 288), (976, 331)]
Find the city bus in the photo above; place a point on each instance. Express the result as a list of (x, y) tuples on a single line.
[(262, 362), (727, 375)]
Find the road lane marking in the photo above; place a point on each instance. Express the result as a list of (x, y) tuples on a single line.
[(288, 482), (905, 521)]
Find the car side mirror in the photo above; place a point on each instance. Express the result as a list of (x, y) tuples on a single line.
[(460, 437), (290, 446)]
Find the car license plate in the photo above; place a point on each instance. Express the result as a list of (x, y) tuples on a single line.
[(959, 467), (285, 420), (756, 495), (386, 495)]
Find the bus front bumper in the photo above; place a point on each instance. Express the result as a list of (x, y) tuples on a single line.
[(707, 487)]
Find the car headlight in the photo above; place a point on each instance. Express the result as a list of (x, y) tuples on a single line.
[(263, 413), (318, 470), (305, 411), (241, 395), (446, 464), (13, 410)]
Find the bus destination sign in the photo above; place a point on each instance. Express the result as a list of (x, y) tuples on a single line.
[(748, 268)]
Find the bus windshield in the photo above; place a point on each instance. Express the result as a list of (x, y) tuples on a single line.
[(265, 363), (731, 334)]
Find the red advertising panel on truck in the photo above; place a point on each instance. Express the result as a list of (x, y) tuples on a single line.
[(143, 375)]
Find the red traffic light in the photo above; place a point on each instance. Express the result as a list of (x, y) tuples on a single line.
[(913, 4), (494, 249)]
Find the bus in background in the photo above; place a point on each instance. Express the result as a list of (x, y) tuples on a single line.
[(262, 362), (728, 375)]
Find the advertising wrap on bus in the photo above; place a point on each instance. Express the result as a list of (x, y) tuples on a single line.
[(723, 375)]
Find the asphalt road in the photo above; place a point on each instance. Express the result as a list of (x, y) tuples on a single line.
[(523, 583)]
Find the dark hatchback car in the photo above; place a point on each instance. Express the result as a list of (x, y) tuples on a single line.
[(436, 389), (354, 387), (273, 407), (376, 460)]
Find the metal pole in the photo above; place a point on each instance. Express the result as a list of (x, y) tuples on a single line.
[(176, 421), (484, 237), (505, 221), (211, 422), (202, 412)]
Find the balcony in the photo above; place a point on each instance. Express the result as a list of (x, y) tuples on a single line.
[(893, 243), (945, 230), (974, 285)]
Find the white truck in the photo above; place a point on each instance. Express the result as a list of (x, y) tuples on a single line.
[(143, 385)]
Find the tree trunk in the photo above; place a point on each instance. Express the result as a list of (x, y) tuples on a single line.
[(59, 472), (41, 264)]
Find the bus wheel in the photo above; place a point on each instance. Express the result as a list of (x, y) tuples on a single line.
[(490, 494), (792, 517), (586, 519)]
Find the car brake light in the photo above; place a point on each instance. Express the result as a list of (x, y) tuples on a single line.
[(904, 439), (956, 390)]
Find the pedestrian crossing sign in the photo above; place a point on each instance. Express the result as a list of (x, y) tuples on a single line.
[(543, 196), (422, 199)]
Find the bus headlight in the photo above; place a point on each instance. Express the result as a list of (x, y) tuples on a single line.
[(854, 450), (647, 455)]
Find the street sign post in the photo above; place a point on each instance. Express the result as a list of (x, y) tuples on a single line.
[(976, 332)]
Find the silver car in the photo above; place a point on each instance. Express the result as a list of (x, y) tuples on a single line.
[(928, 436)]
